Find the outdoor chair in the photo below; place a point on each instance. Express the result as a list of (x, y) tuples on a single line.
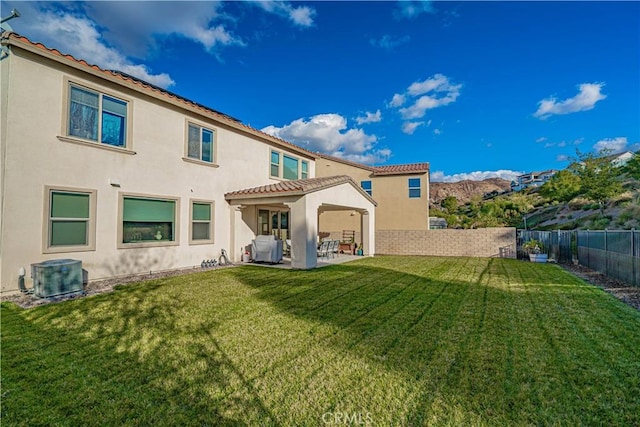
[(333, 247), (323, 250)]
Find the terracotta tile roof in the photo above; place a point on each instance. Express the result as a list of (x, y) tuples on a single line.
[(382, 170), (401, 169), (145, 87), (294, 188)]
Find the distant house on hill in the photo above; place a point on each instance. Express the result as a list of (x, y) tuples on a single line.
[(620, 159), (531, 179)]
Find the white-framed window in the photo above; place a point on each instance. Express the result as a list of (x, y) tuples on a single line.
[(201, 224), (201, 143), (414, 188), (148, 221), (366, 186), (97, 117), (274, 171), (286, 166), (71, 218)]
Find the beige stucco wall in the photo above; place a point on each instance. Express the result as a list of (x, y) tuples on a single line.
[(33, 90), (395, 210), (483, 242)]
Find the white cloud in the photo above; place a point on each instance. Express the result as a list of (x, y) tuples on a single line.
[(410, 127), (301, 16), (79, 37), (586, 99), (434, 92), (330, 134), (614, 145), (112, 33), (397, 100), (369, 118), (509, 175), (437, 132), (389, 42), (135, 26), (541, 139), (562, 158), (413, 8)]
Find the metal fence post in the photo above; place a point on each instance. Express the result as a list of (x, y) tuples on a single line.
[(606, 254), (636, 282)]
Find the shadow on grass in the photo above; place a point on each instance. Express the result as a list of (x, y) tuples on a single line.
[(432, 341), (125, 358), (478, 351)]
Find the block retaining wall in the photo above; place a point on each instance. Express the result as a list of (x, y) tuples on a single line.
[(483, 242)]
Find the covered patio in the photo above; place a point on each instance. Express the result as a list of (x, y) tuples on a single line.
[(300, 202), (322, 262)]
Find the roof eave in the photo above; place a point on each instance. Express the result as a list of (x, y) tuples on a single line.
[(82, 65)]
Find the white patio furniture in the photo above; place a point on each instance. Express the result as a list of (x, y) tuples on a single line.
[(323, 250), (266, 249)]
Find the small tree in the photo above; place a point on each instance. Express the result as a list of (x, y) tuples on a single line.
[(563, 186), (598, 177), (450, 204), (633, 166)]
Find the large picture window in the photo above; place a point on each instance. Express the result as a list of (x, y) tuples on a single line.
[(97, 117), (201, 222), (70, 220), (290, 167), (200, 144), (147, 220), (414, 188)]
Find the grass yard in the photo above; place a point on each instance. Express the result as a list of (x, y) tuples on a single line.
[(382, 341)]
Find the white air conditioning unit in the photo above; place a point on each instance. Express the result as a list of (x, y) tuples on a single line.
[(56, 277)]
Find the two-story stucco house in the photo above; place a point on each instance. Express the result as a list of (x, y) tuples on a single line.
[(400, 191), (102, 167)]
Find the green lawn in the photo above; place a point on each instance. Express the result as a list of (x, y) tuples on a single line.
[(383, 341)]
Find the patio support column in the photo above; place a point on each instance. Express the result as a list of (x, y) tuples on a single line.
[(368, 233), (304, 232), (236, 220)]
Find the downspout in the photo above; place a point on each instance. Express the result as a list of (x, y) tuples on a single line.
[(5, 72)]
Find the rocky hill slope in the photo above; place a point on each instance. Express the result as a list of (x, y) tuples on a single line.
[(465, 190)]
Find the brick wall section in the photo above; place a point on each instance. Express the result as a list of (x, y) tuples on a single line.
[(483, 242)]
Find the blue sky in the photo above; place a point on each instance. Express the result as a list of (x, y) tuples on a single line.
[(477, 89)]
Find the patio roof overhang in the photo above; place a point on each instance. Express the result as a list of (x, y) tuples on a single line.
[(291, 190), (305, 198)]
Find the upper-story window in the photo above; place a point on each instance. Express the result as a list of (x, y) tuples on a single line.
[(414, 188), (97, 117), (275, 164), (290, 167), (286, 166), (366, 186), (201, 143)]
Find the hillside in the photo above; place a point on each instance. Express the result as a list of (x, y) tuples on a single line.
[(464, 191)]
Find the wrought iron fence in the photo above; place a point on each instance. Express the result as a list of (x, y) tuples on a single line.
[(614, 253), (559, 245)]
